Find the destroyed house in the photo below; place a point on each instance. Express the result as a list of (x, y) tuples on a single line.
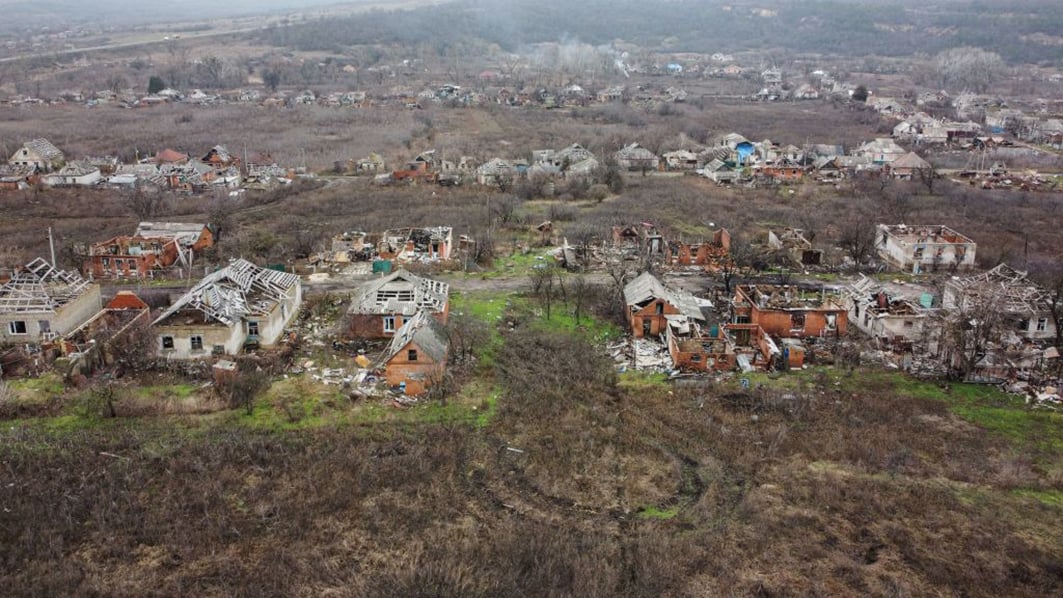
[(786, 311), (237, 306), (639, 238), (416, 244), (706, 253), (351, 246), (692, 347), (38, 154), (792, 243), (131, 257), (220, 158), (925, 248), (190, 235), (1024, 306), (417, 356), (382, 306), (649, 306), (121, 317), (892, 322), (41, 303)]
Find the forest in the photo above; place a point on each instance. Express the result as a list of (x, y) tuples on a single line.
[(1023, 31)]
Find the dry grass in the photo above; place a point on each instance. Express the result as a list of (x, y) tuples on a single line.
[(576, 487)]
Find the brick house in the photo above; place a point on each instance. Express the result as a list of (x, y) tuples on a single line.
[(650, 306), (129, 257), (382, 306), (417, 356), (785, 311)]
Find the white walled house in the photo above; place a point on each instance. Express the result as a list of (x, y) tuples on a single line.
[(1024, 307), (41, 303), (891, 321), (924, 248), (239, 305), (74, 174)]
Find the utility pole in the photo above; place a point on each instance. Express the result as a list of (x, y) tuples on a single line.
[(51, 245)]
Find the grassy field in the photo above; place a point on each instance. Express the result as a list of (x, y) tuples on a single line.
[(544, 469)]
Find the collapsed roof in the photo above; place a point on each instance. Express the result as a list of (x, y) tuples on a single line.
[(400, 293), (1016, 293), (424, 331), (40, 288), (238, 290), (646, 288)]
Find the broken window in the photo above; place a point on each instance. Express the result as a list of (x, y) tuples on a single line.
[(411, 355), (106, 262), (1023, 326), (659, 308), (44, 325), (16, 327), (252, 329), (218, 350), (797, 321), (197, 342), (167, 342), (1042, 324), (389, 323), (831, 319)]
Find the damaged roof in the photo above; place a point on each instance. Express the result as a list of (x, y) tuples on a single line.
[(40, 288), (1013, 288), (646, 288), (424, 331), (240, 289), (401, 292)]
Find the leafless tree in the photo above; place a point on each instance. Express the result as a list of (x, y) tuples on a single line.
[(968, 68), (858, 237), (581, 293)]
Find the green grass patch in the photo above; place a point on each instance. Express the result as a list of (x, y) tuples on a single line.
[(519, 264), (983, 405), (636, 381), (490, 308), (167, 391), (1052, 498), (37, 390), (652, 512), (563, 318)]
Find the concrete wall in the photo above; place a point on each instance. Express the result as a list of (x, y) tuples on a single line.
[(905, 254), (230, 338), (68, 318)]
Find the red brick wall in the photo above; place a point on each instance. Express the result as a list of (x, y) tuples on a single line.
[(418, 375), (649, 312)]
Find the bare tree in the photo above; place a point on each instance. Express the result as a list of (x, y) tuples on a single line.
[(1048, 272), (968, 68), (581, 293), (740, 260), (858, 237)]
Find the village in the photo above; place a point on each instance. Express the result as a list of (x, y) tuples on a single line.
[(689, 308), (482, 298)]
